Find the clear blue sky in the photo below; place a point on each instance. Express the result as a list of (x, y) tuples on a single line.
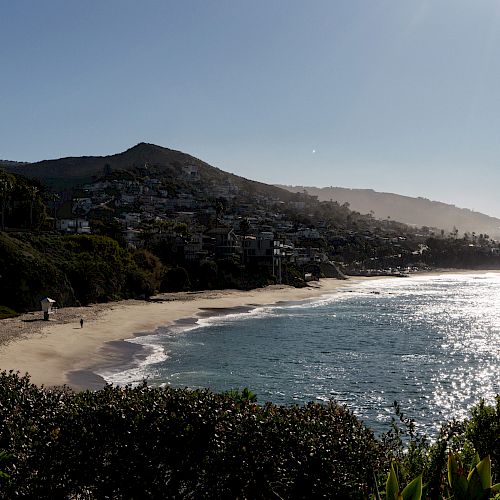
[(398, 96)]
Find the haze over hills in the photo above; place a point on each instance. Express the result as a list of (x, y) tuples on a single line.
[(411, 211)]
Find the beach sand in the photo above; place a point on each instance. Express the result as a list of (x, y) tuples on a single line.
[(59, 352)]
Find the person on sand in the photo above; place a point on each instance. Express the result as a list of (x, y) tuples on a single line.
[(81, 323)]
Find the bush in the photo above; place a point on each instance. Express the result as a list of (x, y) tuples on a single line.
[(175, 280), (148, 442), (483, 431), (7, 312)]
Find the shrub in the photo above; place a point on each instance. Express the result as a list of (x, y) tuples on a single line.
[(148, 442), (7, 312), (175, 279), (483, 431)]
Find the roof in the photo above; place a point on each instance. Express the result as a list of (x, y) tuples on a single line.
[(46, 299)]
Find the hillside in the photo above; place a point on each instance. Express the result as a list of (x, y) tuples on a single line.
[(149, 160), (8, 163), (73, 172), (412, 211)]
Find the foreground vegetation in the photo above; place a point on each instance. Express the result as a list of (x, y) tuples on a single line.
[(149, 442)]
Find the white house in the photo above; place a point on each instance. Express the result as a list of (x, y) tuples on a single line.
[(79, 226)]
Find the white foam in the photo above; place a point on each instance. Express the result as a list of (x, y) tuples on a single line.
[(142, 369), (255, 313)]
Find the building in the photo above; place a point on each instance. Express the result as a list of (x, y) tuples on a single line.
[(226, 242), (76, 226)]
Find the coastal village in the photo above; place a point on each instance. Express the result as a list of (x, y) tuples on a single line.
[(219, 220), (151, 220), (207, 222)]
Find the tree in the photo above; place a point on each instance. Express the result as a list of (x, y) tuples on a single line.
[(53, 199), (7, 183), (31, 192), (244, 228), (175, 279), (207, 274)]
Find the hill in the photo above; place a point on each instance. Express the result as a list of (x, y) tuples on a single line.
[(73, 172), (8, 163), (170, 166), (412, 211)]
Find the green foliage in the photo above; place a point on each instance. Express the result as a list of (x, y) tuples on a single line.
[(148, 442), (103, 225), (21, 202), (207, 275), (246, 395), (413, 491), (175, 279), (71, 269), (147, 279), (293, 276), (475, 485), (4, 478), (28, 274), (483, 431), (97, 267), (407, 446), (442, 471), (7, 312)]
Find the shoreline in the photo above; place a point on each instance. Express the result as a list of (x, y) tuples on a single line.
[(59, 352)]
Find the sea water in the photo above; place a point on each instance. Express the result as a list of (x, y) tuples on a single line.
[(431, 343)]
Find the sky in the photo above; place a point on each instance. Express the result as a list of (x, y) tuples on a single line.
[(395, 96)]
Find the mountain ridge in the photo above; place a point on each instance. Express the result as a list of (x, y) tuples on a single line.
[(414, 211), (74, 171)]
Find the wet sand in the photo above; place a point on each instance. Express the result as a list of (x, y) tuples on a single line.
[(59, 352)]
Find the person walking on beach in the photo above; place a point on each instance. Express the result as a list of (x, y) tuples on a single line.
[(81, 323)]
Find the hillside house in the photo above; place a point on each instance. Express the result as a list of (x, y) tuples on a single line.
[(226, 242), (191, 172), (308, 233), (76, 226), (309, 255), (127, 199), (133, 237), (193, 249), (132, 219), (259, 248), (81, 205)]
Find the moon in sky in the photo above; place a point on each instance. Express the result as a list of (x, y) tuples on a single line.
[(314, 151)]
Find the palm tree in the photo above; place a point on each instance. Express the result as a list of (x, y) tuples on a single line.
[(244, 228), (32, 192), (7, 182), (52, 199)]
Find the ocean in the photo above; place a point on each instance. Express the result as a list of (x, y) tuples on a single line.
[(431, 343)]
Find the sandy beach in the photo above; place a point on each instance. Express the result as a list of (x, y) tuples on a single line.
[(54, 351), (50, 351)]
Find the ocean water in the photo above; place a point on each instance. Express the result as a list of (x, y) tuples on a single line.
[(432, 343)]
